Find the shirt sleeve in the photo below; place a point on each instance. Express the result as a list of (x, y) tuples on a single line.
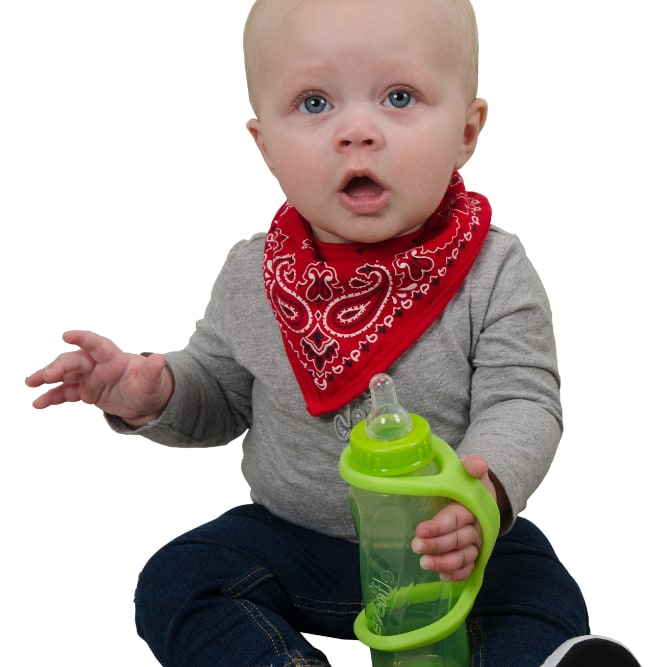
[(515, 410), (212, 400)]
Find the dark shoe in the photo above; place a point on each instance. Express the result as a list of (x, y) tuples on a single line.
[(591, 651)]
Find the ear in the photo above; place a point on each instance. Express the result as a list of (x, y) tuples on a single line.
[(476, 119), (254, 127)]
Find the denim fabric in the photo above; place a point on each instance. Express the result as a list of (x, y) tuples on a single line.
[(528, 604), (240, 590)]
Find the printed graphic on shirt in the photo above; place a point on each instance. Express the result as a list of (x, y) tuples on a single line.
[(353, 413)]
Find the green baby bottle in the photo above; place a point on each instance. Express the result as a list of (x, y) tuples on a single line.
[(400, 475)]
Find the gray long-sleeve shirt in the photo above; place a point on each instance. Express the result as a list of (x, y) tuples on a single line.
[(484, 375)]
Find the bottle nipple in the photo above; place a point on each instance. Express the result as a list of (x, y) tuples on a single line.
[(387, 420)]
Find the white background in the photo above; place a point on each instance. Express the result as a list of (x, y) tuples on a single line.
[(125, 176)]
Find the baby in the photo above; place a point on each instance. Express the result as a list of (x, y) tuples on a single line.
[(380, 260)]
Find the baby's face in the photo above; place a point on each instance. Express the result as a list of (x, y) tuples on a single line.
[(363, 110)]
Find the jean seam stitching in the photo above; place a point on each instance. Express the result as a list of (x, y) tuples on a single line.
[(264, 626), (475, 632), (249, 581), (297, 659), (326, 606)]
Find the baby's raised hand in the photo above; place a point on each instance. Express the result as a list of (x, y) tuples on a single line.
[(130, 386), (451, 541)]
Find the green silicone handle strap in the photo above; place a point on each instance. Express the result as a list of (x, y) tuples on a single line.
[(452, 482)]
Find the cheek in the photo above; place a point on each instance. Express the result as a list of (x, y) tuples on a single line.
[(298, 163), (432, 148), (429, 168), (297, 172)]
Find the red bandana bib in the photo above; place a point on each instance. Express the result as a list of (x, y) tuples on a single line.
[(348, 311)]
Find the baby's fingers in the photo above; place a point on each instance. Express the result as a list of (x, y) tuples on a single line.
[(450, 542), (67, 368), (70, 366), (453, 517), (64, 393), (454, 565), (453, 541)]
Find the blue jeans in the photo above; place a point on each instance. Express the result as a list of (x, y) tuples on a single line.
[(240, 590)]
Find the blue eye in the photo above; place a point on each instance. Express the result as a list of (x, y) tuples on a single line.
[(313, 104), (399, 99)]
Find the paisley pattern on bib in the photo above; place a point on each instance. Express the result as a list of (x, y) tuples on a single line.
[(348, 311)]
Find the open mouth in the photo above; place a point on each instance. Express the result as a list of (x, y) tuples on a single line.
[(363, 186), (363, 195)]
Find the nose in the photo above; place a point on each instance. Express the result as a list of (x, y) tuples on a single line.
[(358, 131)]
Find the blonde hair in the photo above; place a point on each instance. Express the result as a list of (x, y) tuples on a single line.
[(250, 27), (462, 13), (469, 40)]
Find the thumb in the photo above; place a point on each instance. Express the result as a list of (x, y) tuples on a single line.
[(478, 467)]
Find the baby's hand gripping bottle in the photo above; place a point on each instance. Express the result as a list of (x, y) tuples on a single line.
[(399, 476)]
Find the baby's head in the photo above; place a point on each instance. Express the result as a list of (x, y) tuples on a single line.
[(364, 107), (456, 23)]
